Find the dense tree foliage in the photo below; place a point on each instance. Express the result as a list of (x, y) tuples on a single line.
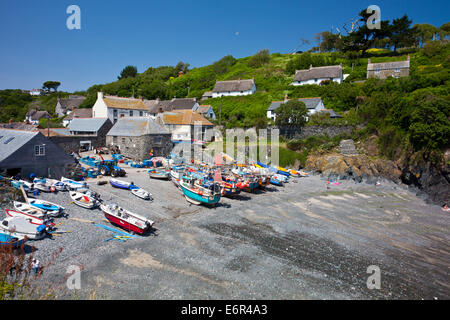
[(128, 72), (292, 113), (48, 85)]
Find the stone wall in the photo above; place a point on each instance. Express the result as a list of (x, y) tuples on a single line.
[(308, 131), (138, 148)]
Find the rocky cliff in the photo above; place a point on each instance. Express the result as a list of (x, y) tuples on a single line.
[(347, 163)]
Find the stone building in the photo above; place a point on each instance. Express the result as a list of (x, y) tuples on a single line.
[(65, 106), (316, 75), (136, 137), (385, 70), (25, 151)]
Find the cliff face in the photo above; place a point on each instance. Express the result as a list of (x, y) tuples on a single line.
[(347, 163)]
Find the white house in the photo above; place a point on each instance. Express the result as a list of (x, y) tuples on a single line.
[(36, 92), (234, 88), (181, 124), (113, 107), (317, 75), (313, 105)]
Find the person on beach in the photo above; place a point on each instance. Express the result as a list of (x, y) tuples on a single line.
[(36, 265)]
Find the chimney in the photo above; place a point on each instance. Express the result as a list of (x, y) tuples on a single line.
[(99, 95)]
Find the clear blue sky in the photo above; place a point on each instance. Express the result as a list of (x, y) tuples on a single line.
[(36, 45)]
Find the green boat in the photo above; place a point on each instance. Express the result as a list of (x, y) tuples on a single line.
[(197, 195)]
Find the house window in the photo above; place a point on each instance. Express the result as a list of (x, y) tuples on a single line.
[(141, 113), (377, 71), (157, 140), (123, 140), (397, 70), (131, 113), (39, 150), (315, 80), (9, 140), (115, 113), (114, 139)]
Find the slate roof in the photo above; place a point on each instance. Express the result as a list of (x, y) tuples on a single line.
[(12, 140), (311, 103), (55, 132), (203, 109), (185, 117), (183, 104), (318, 73), (79, 113), (207, 94), (234, 85), (135, 127), (124, 103), (388, 65), (332, 113), (37, 115), (71, 103), (19, 126), (87, 124)]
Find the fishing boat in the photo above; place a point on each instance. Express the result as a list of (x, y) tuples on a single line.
[(27, 187), (83, 200), (41, 185), (58, 185), (90, 193), (176, 174), (121, 184), (275, 180), (141, 193), (29, 209), (159, 174), (19, 226), (7, 240), (196, 194), (125, 219), (74, 185), (52, 209), (32, 219)]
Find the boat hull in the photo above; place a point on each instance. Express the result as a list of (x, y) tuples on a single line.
[(124, 224), (210, 200)]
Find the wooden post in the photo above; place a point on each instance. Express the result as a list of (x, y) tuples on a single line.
[(24, 193)]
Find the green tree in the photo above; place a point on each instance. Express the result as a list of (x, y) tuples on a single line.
[(424, 33), (402, 33), (48, 85), (292, 113), (128, 72), (444, 31)]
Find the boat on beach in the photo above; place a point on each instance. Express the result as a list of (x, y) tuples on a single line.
[(7, 240), (141, 193), (29, 209), (21, 227), (74, 185), (83, 200), (159, 174), (196, 194), (125, 219), (41, 185), (32, 219), (121, 184), (51, 208)]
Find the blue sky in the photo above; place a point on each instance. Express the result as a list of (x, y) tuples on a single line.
[(36, 45)]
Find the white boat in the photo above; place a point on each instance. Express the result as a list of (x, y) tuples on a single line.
[(58, 185), (74, 185), (83, 200), (29, 209), (125, 219), (141, 193), (33, 219), (51, 208), (41, 185), (19, 226), (90, 193), (122, 184)]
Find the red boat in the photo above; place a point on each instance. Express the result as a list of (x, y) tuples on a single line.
[(125, 219)]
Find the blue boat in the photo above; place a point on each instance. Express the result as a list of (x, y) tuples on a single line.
[(276, 182), (122, 184), (198, 195), (7, 240)]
